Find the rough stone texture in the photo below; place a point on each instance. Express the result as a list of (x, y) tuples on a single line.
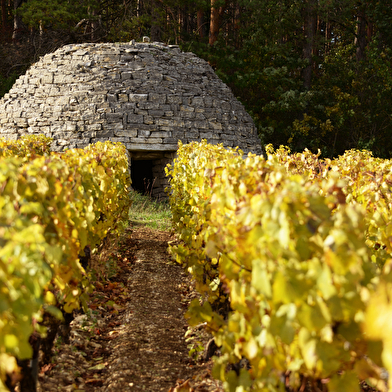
[(147, 96)]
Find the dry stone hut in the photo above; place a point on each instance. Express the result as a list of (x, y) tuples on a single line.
[(147, 96)]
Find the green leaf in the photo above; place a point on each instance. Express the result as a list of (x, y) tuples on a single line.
[(54, 311), (307, 344), (260, 278), (348, 381), (312, 317)]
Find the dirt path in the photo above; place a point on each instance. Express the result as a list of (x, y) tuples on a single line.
[(134, 338), (149, 352)]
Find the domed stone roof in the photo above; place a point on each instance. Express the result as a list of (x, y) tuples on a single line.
[(147, 96)]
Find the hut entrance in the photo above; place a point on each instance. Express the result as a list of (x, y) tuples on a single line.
[(148, 172), (141, 175)]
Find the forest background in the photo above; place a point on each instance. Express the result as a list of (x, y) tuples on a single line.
[(312, 73)]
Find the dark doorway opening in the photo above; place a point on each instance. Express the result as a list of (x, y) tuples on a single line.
[(141, 175)]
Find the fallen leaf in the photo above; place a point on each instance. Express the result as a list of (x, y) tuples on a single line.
[(47, 368), (100, 366), (185, 387)]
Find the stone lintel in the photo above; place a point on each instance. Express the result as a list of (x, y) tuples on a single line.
[(147, 155), (151, 147)]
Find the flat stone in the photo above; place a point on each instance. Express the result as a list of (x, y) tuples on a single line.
[(151, 147)]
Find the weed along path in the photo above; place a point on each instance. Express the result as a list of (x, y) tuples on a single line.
[(133, 337)]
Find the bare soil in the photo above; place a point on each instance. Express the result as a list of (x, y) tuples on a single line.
[(133, 337)]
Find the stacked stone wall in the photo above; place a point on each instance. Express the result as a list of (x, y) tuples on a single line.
[(160, 179), (147, 96)]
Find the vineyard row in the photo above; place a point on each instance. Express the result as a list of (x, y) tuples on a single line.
[(293, 254), (54, 208)]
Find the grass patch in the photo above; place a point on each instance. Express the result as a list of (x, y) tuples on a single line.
[(149, 212), (144, 211)]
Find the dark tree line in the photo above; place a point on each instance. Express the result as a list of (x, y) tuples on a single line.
[(313, 73)]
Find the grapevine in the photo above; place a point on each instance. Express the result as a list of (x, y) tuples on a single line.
[(300, 249)]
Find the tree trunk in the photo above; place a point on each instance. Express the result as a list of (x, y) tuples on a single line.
[(237, 19), (18, 25), (94, 24), (139, 8), (186, 25), (3, 17), (214, 23), (200, 23), (328, 36), (215, 20), (310, 25), (360, 39), (155, 28), (370, 31)]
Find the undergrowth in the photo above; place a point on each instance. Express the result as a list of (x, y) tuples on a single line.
[(149, 212)]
